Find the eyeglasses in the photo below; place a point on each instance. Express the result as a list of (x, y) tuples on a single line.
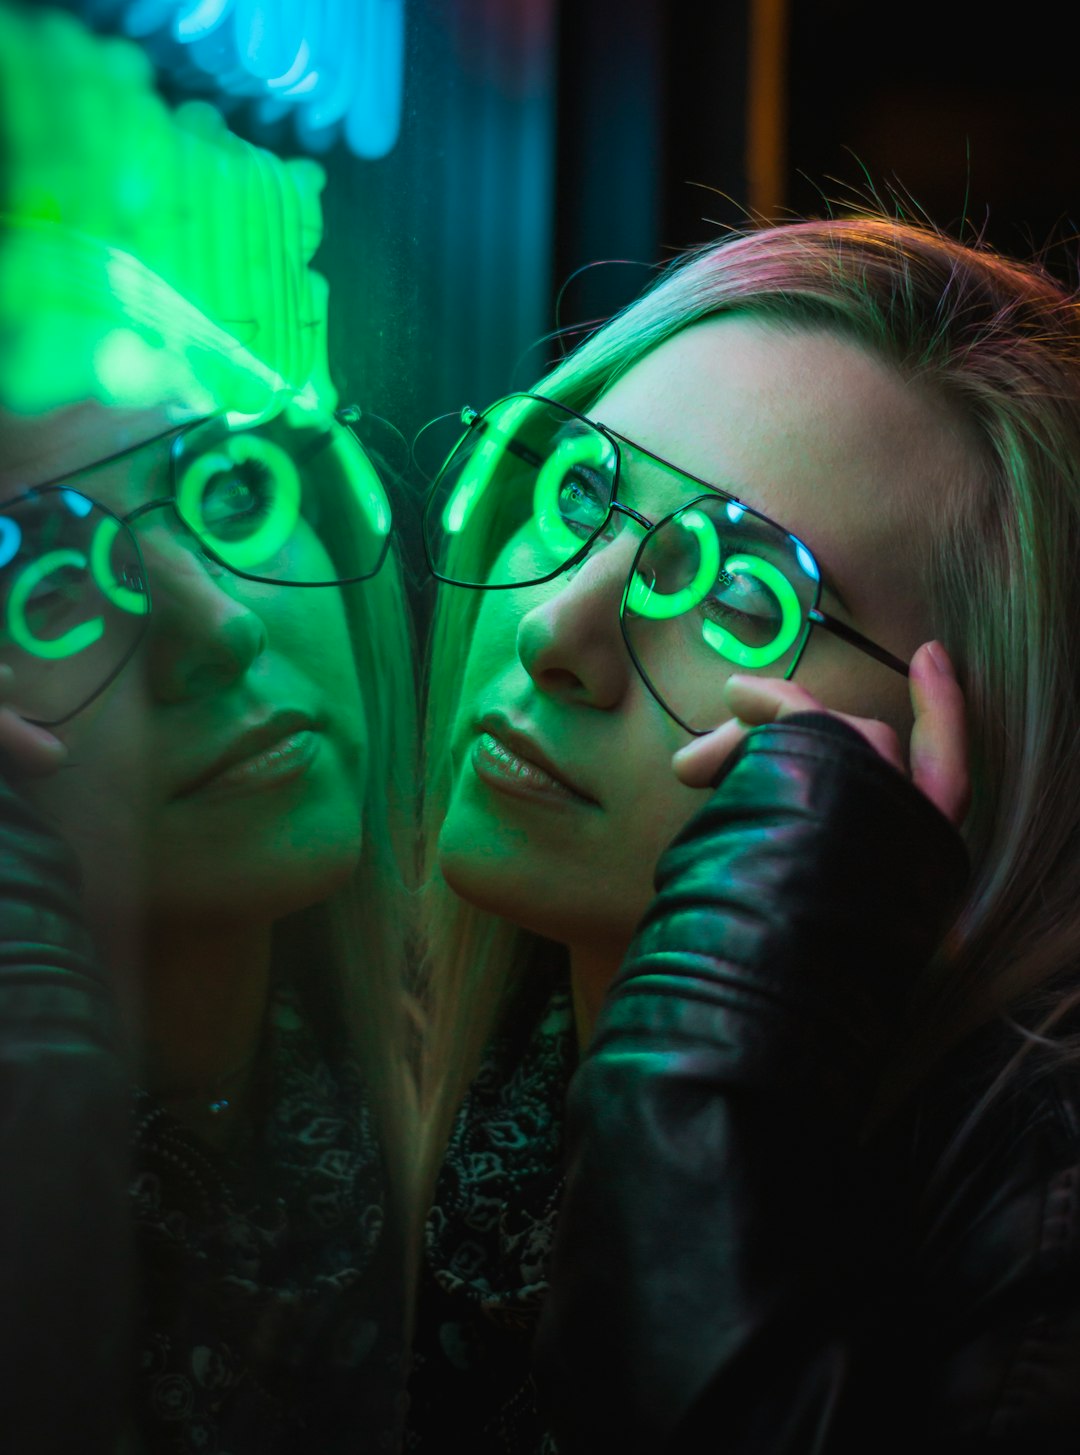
[(532, 487), (295, 501)]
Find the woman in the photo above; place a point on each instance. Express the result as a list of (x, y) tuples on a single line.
[(805, 459), (208, 722)]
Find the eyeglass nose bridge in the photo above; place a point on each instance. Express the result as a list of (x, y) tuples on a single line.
[(585, 552), (165, 502), (635, 515)]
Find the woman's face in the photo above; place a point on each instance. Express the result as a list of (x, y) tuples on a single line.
[(219, 776), (564, 795)]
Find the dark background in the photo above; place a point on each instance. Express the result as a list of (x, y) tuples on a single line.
[(540, 136)]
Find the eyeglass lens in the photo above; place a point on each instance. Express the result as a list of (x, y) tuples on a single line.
[(714, 586), (296, 500), (73, 600)]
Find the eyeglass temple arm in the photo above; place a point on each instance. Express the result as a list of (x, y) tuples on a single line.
[(856, 639)]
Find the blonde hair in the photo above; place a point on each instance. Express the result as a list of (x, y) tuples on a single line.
[(366, 925), (999, 343)]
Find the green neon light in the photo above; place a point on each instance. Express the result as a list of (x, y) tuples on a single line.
[(284, 510), (481, 465), (135, 602), (743, 655), (591, 449), (661, 606), (72, 642)]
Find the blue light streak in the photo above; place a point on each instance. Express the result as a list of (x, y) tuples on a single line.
[(336, 65)]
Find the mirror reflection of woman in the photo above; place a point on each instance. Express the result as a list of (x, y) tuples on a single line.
[(825, 473), (206, 746)]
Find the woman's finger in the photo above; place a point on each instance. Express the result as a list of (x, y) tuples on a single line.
[(939, 765), (754, 701), (751, 701), (29, 749), (698, 763), (757, 700)]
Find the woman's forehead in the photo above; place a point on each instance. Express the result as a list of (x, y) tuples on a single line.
[(823, 437), (785, 418), (37, 449)]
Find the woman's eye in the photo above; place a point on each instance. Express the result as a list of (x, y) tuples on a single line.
[(583, 501), (236, 501), (742, 599)]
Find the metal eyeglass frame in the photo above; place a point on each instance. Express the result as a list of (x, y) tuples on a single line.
[(345, 415), (815, 615)]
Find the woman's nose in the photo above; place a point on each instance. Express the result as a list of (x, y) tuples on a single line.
[(570, 642), (202, 635)]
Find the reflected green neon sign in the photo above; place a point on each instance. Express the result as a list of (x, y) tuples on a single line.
[(134, 602), (78, 638), (741, 653), (547, 507), (645, 600), (271, 531), (70, 642)]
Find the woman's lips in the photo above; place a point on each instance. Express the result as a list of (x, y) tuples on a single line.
[(269, 766), (509, 767)]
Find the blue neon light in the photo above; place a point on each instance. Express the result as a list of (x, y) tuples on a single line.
[(76, 503), (336, 65), (805, 559), (10, 539)]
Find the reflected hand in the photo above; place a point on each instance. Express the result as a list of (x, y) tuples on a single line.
[(30, 750), (938, 748)]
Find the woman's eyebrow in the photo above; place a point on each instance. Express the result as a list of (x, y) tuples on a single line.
[(631, 468)]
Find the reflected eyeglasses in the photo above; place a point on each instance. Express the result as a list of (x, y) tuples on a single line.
[(293, 501)]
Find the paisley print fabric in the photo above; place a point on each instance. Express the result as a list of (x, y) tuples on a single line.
[(271, 1301), (488, 1239)]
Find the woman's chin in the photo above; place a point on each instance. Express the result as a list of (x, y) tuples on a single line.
[(285, 870)]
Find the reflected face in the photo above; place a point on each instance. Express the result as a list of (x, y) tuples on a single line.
[(564, 795), (221, 770)]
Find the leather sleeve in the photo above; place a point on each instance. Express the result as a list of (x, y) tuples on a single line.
[(698, 1294), (65, 1240)]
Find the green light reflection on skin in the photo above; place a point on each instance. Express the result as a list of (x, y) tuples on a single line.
[(661, 606), (71, 642), (741, 653)]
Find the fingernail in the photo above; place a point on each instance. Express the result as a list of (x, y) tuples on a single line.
[(705, 743), (940, 658), (689, 751), (42, 736), (47, 740)]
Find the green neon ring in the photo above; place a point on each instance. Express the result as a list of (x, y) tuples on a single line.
[(72, 642), (555, 533), (791, 618), (660, 606), (280, 523), (135, 602)]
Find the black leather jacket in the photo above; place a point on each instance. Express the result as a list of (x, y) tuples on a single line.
[(65, 1241), (739, 1268)]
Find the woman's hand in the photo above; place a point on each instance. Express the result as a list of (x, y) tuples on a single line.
[(938, 748), (32, 751)]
